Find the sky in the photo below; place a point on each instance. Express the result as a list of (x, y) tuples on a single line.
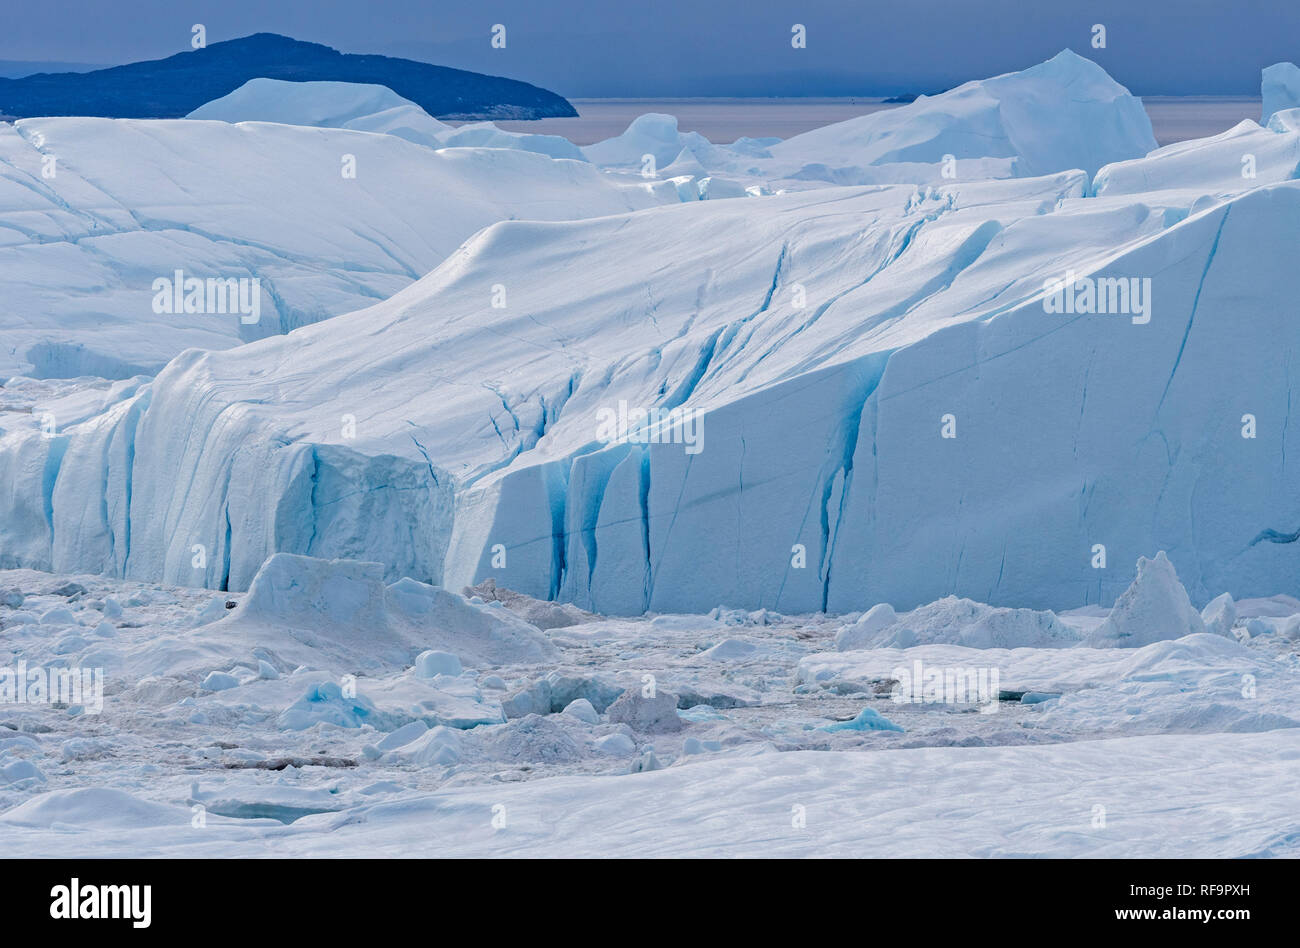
[(670, 48)]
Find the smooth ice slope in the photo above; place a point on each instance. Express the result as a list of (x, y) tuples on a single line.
[(367, 108), (1061, 114), (323, 104), (130, 202), (1209, 169)]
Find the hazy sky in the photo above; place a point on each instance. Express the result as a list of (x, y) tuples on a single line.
[(587, 48)]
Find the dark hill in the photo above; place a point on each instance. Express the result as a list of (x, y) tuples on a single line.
[(175, 86)]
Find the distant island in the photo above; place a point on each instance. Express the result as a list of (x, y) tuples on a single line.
[(17, 68), (175, 86)]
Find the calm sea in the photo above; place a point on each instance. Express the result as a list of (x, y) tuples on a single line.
[(1174, 118)]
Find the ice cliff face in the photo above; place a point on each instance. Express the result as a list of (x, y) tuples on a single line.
[(1280, 89), (893, 397)]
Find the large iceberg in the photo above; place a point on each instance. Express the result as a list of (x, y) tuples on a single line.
[(1003, 389), (321, 104), (475, 448), (326, 220), (367, 108), (1062, 114)]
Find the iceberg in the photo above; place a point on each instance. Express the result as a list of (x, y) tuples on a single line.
[(319, 104), (1061, 114), (365, 107), (1280, 89), (824, 423), (962, 622), (1209, 169), (1154, 608), (883, 404), (98, 212)]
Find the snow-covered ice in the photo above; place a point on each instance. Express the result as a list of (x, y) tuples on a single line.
[(825, 358), (1280, 89), (87, 230), (569, 501), (329, 756), (1061, 114), (367, 108)]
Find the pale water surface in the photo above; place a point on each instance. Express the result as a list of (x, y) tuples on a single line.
[(1174, 118)]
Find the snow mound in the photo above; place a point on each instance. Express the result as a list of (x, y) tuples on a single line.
[(582, 709), (438, 745), (335, 605), (1154, 608), (97, 807), (19, 774), (319, 104), (729, 650), (487, 135), (1219, 615), (1279, 88), (430, 664), (1175, 659), (866, 630), (402, 736), (953, 621), (344, 608), (532, 738)]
